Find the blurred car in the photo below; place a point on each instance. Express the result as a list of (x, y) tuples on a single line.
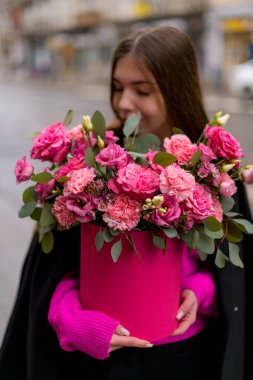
[(240, 81)]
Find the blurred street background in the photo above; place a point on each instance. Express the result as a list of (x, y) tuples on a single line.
[(55, 55)]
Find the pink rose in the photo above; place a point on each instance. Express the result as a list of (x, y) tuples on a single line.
[(140, 180), (207, 153), (170, 214), (83, 206), (181, 147), (122, 213), (247, 175), (223, 143), (176, 181), (227, 186), (52, 144), (110, 137), (218, 212), (23, 170), (75, 133), (113, 156), (64, 217), (74, 163), (78, 181), (200, 203)]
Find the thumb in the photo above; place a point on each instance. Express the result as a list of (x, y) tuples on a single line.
[(120, 330)]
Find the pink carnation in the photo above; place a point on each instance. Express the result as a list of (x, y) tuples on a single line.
[(78, 181), (113, 156), (181, 147), (137, 179), (223, 143), (227, 186), (172, 212), (207, 153), (65, 217), (247, 175), (52, 144), (176, 181), (122, 213), (200, 203), (23, 170)]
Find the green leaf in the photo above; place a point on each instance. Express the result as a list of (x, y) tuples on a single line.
[(195, 158), (170, 232), (89, 157), (164, 159), (99, 124), (177, 131), (47, 242), (202, 255), (108, 237), (44, 230), (214, 235), (220, 259), (30, 194), (212, 224), (36, 214), (234, 255), (63, 179), (206, 244), (47, 217), (145, 142), (233, 233), (227, 204), (190, 238), (131, 125), (42, 177), (116, 250), (68, 118), (99, 240), (27, 209), (244, 225), (159, 242)]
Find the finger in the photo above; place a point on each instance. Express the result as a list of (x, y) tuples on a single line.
[(187, 305), (184, 325), (129, 341), (114, 348), (120, 330)]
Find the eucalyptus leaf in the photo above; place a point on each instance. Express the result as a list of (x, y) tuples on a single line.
[(233, 233), (36, 214), (99, 240), (244, 225), (131, 125), (164, 159), (44, 177), (227, 204), (69, 117), (159, 242), (145, 142), (196, 157), (108, 237), (47, 242), (99, 125), (177, 131), (220, 259), (47, 217), (63, 179), (44, 230), (202, 255), (234, 255), (206, 244), (214, 234), (189, 238), (116, 250), (30, 194), (212, 224), (89, 157), (170, 232), (27, 209)]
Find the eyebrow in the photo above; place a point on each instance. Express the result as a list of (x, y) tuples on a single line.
[(135, 82)]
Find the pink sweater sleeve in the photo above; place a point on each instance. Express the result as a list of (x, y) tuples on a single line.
[(201, 281), (68, 319)]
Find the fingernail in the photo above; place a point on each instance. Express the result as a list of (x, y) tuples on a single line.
[(124, 331), (180, 314), (149, 345)]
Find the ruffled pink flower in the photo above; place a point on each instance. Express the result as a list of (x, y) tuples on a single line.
[(140, 180), (227, 186), (75, 133), (122, 213), (82, 145), (150, 158), (247, 175), (44, 190), (64, 217), (207, 153), (82, 206), (176, 181), (23, 170), (113, 156), (181, 147), (52, 144), (74, 163), (218, 212), (78, 181), (200, 203), (171, 205), (110, 137), (223, 143)]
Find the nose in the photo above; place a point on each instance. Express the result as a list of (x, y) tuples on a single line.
[(126, 103)]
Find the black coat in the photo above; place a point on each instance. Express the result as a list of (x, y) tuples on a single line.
[(30, 349)]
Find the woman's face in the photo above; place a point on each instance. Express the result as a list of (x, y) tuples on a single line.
[(135, 93)]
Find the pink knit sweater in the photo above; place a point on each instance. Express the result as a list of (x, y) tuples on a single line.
[(91, 331)]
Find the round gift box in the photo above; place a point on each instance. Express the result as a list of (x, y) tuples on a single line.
[(142, 293)]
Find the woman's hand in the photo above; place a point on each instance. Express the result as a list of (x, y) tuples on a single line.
[(187, 311), (121, 338)]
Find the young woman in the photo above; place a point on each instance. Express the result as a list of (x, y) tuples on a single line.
[(154, 73)]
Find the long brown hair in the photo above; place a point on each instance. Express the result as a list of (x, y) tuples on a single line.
[(169, 55)]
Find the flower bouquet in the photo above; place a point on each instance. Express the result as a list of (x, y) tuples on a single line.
[(175, 188)]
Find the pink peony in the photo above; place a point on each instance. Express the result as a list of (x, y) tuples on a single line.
[(207, 153), (227, 186), (172, 212), (181, 147), (200, 203), (113, 156), (23, 170), (176, 181), (64, 217), (218, 212), (140, 180), (247, 175), (78, 181), (122, 213), (222, 143), (52, 144), (83, 206)]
